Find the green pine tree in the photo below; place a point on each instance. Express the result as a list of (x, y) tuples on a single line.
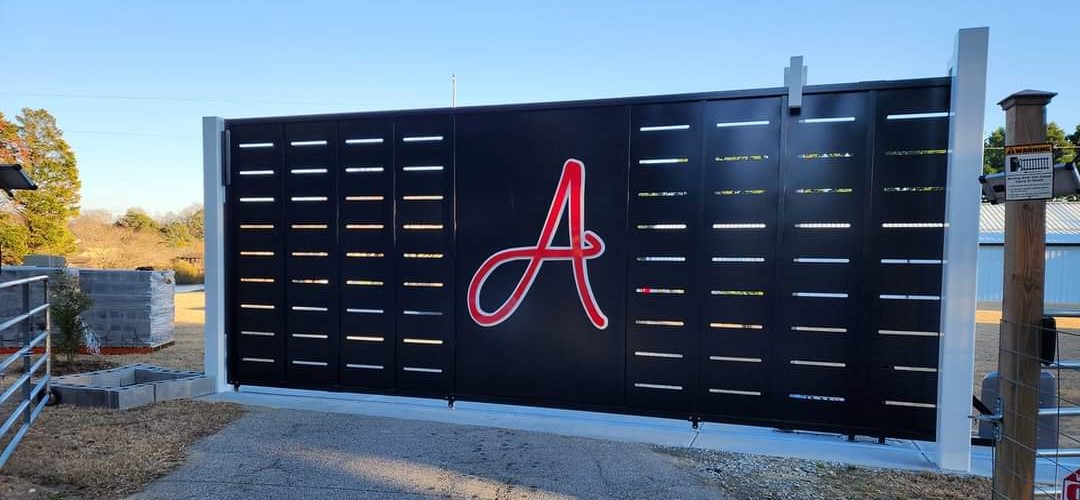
[(994, 151), (1063, 151), (13, 231), (50, 162)]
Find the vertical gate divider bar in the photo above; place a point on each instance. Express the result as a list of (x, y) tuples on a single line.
[(395, 261), (283, 218), (214, 209), (865, 270), (454, 311), (229, 262), (959, 267), (697, 261), (336, 257), (627, 267), (774, 366)]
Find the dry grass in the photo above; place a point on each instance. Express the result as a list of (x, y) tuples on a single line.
[(90, 453), (994, 316), (95, 453), (104, 245)]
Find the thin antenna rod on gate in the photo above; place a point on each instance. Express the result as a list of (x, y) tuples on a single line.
[(453, 90)]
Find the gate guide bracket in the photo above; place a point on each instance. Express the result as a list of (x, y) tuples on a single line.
[(795, 80), (994, 418)]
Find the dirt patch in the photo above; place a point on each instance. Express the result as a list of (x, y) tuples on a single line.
[(13, 488), (760, 477), (80, 365), (994, 317), (91, 454)]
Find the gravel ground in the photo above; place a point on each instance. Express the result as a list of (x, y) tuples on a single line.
[(759, 477), (276, 454), (287, 454)]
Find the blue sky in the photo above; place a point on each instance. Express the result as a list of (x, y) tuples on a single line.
[(169, 63)]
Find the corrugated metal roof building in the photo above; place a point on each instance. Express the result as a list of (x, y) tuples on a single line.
[(1062, 252), (1062, 224)]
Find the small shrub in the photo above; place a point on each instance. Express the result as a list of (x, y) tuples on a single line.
[(187, 273), (67, 303)]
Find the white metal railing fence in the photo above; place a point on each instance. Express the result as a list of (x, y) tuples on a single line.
[(34, 393)]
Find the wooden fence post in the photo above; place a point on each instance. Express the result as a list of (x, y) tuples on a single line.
[(1025, 263)]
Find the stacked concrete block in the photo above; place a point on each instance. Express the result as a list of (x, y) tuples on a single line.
[(130, 386), (11, 301), (130, 308)]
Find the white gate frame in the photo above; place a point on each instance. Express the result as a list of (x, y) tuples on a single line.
[(214, 252), (960, 266), (956, 357)]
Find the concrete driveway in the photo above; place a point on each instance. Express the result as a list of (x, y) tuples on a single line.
[(295, 454)]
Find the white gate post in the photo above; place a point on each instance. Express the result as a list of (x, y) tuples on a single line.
[(214, 251), (956, 360)]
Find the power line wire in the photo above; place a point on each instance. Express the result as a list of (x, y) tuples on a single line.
[(987, 148), (173, 99), (133, 134)]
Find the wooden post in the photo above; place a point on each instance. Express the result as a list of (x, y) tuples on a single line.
[(1025, 267)]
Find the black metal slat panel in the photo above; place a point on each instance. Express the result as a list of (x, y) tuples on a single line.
[(662, 312), (257, 247), (769, 346), (529, 181), (311, 242), (826, 172), (424, 164), (902, 302), (737, 258), (365, 173)]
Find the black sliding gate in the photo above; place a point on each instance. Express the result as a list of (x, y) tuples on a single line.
[(711, 256)]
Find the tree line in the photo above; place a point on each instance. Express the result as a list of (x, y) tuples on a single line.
[(37, 221), (136, 239), (1066, 147)]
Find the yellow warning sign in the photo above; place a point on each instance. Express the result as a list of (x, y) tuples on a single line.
[(1024, 149)]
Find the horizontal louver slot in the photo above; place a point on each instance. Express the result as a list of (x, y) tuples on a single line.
[(661, 128), (363, 338), (354, 310), (663, 387), (734, 392), (735, 359), (422, 370), (752, 123)]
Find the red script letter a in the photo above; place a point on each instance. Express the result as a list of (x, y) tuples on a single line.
[(569, 196)]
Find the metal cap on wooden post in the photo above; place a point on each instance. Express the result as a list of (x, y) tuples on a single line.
[(1025, 262)]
